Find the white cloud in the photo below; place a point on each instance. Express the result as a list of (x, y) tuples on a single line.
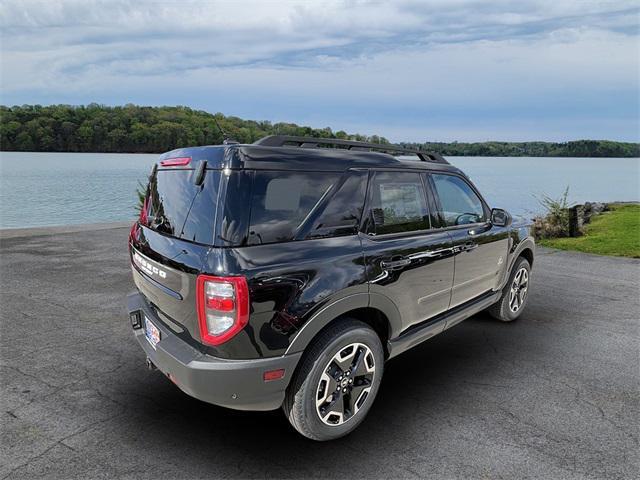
[(332, 59)]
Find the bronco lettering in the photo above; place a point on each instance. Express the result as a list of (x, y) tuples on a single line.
[(147, 267)]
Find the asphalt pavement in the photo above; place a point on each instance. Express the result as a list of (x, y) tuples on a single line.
[(554, 395)]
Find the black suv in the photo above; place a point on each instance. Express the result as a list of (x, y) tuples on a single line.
[(286, 272)]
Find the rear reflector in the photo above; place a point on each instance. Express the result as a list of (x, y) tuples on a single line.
[(273, 375), (223, 307), (175, 162)]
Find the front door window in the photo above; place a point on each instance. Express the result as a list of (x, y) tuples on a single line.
[(460, 204)]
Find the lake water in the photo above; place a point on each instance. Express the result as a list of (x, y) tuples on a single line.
[(39, 189)]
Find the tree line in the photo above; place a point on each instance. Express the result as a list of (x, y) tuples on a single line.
[(576, 148), (138, 129)]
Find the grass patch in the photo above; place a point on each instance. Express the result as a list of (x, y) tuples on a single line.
[(616, 232)]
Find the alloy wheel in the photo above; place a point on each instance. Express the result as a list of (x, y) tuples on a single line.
[(518, 291), (345, 384)]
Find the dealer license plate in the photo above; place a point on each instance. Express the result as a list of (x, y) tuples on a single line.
[(151, 332)]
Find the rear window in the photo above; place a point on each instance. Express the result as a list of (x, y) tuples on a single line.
[(178, 207), (282, 201)]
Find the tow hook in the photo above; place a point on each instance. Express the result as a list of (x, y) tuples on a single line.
[(150, 364)]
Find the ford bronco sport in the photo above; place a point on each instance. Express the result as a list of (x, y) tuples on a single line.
[(286, 272)]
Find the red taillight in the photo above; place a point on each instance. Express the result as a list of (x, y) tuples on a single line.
[(175, 162), (222, 304), (223, 307)]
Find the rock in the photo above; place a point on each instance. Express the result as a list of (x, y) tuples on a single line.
[(591, 209), (576, 220)]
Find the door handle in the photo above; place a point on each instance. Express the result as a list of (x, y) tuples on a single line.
[(432, 253), (467, 247), (402, 262)]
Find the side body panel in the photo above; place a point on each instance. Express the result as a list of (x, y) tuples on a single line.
[(289, 283), (521, 242), (422, 288), (480, 262)]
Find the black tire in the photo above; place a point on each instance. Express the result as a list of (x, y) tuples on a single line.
[(503, 309), (337, 341)]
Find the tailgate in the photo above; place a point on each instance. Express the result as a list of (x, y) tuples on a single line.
[(165, 272), (170, 242)]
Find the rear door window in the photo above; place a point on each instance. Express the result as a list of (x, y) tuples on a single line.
[(283, 201), (397, 203)]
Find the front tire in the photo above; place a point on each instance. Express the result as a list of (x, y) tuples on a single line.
[(337, 381), (515, 293)]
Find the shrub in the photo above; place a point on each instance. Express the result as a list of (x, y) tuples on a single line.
[(555, 222), (141, 193)]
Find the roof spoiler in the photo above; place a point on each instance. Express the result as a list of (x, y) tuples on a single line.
[(313, 142)]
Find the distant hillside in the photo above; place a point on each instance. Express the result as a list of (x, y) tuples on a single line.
[(135, 129), (577, 148)]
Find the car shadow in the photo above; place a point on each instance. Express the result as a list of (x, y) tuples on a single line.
[(417, 387)]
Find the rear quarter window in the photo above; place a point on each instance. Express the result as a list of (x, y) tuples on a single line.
[(342, 214), (283, 200)]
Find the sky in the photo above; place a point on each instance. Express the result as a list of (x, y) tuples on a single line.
[(433, 70)]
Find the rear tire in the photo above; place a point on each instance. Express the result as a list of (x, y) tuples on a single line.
[(515, 293), (337, 381)]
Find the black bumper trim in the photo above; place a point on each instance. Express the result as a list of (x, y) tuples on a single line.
[(237, 384)]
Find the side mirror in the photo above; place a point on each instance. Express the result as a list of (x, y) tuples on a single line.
[(500, 217)]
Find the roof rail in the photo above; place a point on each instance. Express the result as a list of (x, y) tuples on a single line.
[(313, 142)]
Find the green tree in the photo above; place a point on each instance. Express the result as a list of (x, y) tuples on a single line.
[(132, 128)]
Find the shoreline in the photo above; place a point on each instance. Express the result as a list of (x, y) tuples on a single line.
[(6, 233), (446, 156), (16, 232)]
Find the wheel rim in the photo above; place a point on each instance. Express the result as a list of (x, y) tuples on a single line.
[(518, 291), (345, 384)]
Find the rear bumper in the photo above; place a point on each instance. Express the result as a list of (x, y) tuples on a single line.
[(237, 384)]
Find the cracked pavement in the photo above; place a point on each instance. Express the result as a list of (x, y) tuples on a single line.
[(554, 395)]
